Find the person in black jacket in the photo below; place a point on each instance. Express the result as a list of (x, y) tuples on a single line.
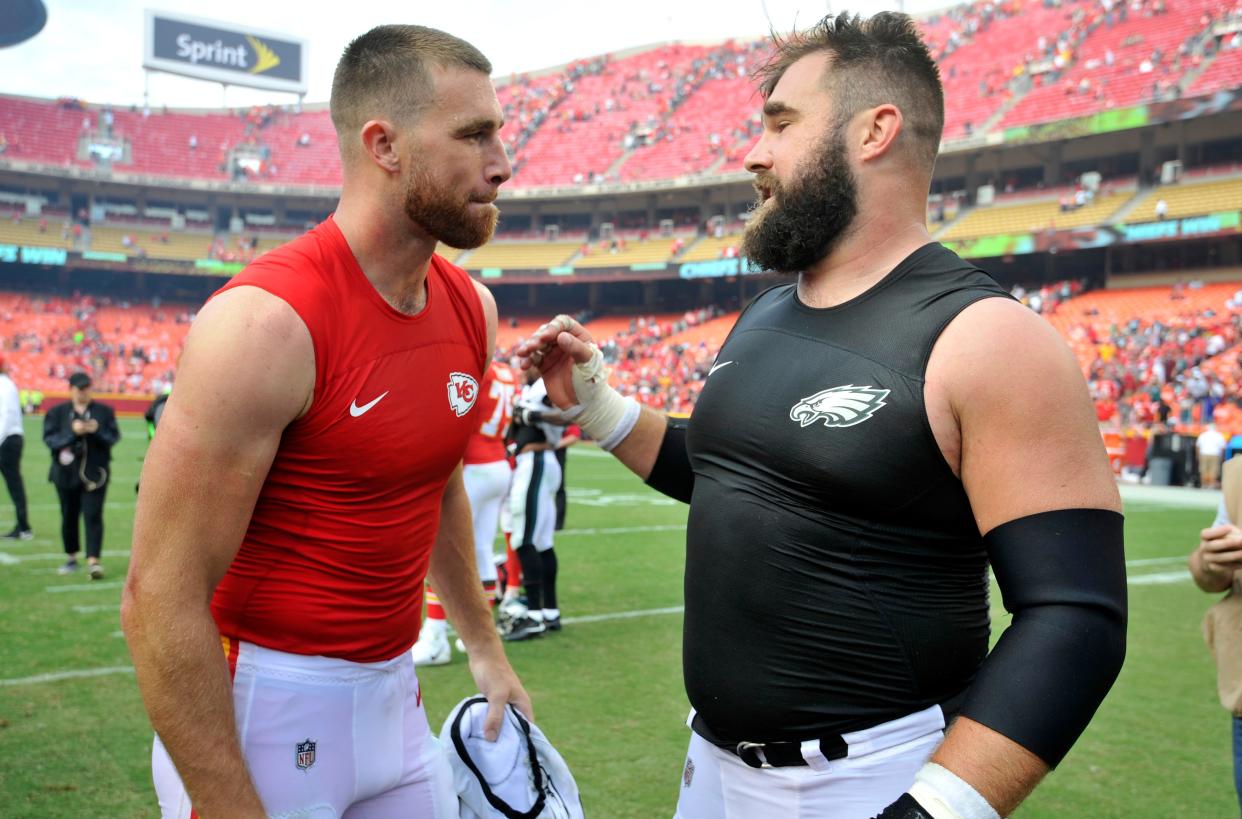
[(80, 433)]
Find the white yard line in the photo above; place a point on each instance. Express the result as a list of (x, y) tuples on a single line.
[(56, 676), (96, 609), (9, 560), (95, 586), (1159, 578), (1158, 561), (624, 530), (622, 615)]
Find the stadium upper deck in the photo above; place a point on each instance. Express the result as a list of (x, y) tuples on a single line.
[(677, 110)]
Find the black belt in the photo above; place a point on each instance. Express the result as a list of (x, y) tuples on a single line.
[(789, 754), (773, 754)]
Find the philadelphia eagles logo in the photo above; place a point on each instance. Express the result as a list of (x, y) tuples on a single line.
[(839, 406)]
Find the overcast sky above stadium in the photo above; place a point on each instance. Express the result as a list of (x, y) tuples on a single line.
[(93, 50)]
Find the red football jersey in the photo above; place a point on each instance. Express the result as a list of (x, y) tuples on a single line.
[(496, 409), (336, 552)]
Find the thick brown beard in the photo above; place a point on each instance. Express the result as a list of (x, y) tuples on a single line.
[(808, 216), (449, 221)]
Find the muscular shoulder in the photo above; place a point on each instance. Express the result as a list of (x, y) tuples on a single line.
[(249, 345), (998, 346), (1006, 392)]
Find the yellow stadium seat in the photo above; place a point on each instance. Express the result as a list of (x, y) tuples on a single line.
[(1189, 199)]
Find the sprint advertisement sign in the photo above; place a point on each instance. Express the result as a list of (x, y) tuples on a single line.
[(222, 52)]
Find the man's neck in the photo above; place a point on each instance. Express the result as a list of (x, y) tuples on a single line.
[(393, 255), (81, 407), (869, 250)]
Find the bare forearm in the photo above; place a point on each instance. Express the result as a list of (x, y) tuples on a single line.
[(455, 576), (184, 681), (1001, 770), (641, 447)]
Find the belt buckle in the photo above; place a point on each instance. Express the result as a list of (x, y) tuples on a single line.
[(752, 754)]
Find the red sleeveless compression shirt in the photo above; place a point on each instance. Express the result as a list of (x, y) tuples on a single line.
[(336, 552)]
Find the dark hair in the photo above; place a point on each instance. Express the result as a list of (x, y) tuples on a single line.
[(877, 60), (384, 73)]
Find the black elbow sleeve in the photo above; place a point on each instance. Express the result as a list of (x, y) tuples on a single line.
[(1062, 575), (671, 474)]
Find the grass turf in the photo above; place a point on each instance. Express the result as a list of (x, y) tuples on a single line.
[(608, 693)]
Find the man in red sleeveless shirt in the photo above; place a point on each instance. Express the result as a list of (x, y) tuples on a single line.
[(307, 477)]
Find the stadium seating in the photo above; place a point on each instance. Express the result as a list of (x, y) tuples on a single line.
[(691, 108), (32, 232), (1033, 217), (585, 136), (706, 128), (1189, 199), (152, 244), (633, 251), (1223, 74), (127, 348), (519, 255), (977, 73), (1095, 83), (709, 247)]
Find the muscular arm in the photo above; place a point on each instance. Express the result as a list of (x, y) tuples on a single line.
[(247, 372), (454, 574), (1026, 442)]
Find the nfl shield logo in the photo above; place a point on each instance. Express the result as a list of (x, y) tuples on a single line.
[(688, 774), (306, 754)]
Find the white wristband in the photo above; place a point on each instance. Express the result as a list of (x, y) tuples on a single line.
[(601, 411), (945, 795)]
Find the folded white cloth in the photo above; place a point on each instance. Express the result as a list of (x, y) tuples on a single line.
[(519, 776)]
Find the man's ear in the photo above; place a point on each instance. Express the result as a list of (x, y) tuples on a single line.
[(880, 128), (378, 139)]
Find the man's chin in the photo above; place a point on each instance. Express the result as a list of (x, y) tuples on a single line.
[(473, 231)]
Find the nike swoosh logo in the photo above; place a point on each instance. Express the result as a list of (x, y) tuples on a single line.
[(718, 366), (356, 410)]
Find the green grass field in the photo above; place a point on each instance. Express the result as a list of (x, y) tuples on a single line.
[(607, 689)]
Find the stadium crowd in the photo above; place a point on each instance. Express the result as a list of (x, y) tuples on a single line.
[(1180, 370)]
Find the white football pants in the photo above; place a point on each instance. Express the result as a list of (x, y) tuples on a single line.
[(326, 738), (881, 765)]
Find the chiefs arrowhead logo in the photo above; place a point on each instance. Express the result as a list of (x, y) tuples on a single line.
[(839, 406), (463, 391)]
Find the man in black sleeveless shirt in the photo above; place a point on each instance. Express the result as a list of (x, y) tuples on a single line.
[(868, 441)]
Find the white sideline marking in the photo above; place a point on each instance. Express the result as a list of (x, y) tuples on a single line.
[(1158, 561), (622, 530), (1159, 578), (623, 615), (10, 560), (96, 609), (69, 675), (95, 586), (1140, 580)]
